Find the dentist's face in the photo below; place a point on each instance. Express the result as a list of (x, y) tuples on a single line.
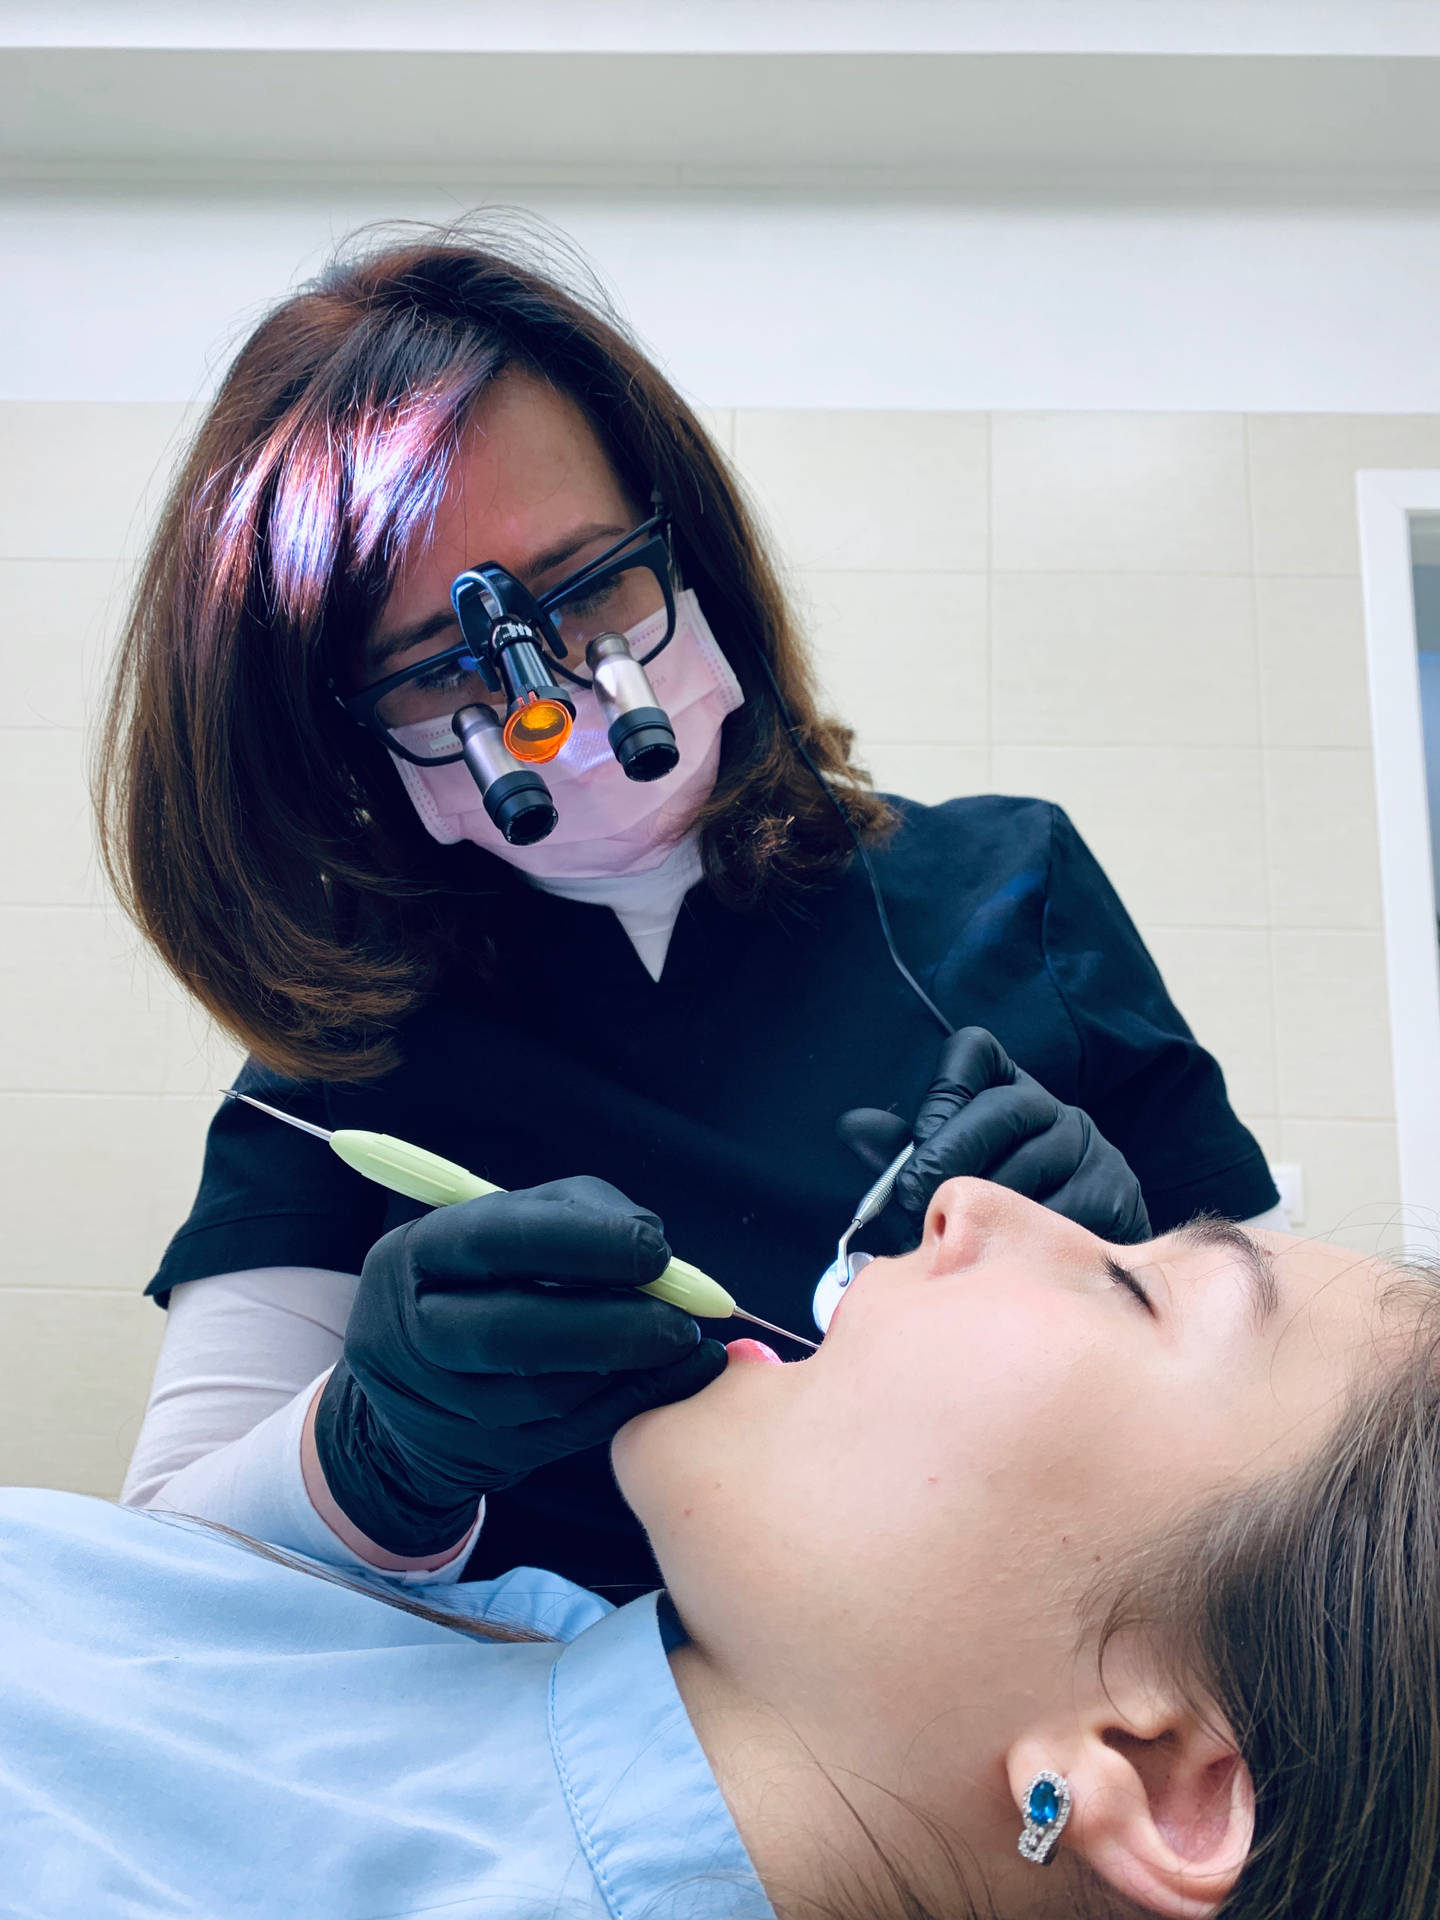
[(990, 1420), (533, 489)]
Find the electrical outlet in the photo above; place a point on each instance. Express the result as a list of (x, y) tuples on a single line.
[(1289, 1177)]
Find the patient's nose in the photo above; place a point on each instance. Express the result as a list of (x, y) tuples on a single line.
[(971, 1220), (963, 1217)]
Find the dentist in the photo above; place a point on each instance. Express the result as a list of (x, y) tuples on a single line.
[(674, 991)]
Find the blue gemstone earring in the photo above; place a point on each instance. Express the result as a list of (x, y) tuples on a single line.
[(1047, 1808)]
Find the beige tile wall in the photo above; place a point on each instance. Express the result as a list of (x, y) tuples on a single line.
[(1153, 619), (106, 1075)]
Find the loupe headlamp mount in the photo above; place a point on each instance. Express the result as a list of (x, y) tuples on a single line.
[(509, 635)]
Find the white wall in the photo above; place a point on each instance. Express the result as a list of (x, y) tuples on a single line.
[(779, 299)]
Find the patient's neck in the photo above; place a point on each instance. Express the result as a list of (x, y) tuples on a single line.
[(786, 1812), (825, 1808)]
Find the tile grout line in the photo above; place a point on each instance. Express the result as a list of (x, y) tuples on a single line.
[(47, 1289), (1261, 735), (204, 1098), (990, 601), (1132, 747)]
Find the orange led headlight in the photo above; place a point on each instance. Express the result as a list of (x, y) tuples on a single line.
[(536, 729)]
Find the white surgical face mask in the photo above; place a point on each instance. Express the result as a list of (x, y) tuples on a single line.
[(607, 824)]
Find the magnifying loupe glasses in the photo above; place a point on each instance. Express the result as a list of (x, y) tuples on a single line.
[(499, 699)]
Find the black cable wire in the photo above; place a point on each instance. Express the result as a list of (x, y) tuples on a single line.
[(880, 911)]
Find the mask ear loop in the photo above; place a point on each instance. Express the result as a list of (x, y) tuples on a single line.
[(834, 1281), (824, 785)]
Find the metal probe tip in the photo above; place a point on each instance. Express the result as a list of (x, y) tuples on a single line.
[(278, 1113), (739, 1313)]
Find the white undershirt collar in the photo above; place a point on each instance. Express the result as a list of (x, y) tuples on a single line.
[(647, 905)]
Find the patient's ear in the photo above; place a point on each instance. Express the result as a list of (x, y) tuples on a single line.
[(1162, 1805)]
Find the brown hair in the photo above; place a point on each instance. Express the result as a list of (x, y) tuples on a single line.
[(260, 839), (1307, 1614), (471, 1625)]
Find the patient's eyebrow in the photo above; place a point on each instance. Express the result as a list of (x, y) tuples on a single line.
[(1259, 1267)]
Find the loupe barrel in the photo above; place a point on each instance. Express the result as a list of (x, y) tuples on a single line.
[(524, 669), (640, 734), (515, 796), (540, 716)]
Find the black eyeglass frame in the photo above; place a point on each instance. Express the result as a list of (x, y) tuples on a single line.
[(653, 552)]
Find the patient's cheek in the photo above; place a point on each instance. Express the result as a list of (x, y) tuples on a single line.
[(1003, 1391)]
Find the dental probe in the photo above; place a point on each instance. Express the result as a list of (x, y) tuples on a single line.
[(872, 1201), (842, 1269), (421, 1175)]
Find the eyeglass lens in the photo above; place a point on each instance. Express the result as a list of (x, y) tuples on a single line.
[(418, 711), (615, 604)]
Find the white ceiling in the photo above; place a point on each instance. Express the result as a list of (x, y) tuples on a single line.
[(1283, 27)]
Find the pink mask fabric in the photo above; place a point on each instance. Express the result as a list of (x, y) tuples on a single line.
[(608, 824)]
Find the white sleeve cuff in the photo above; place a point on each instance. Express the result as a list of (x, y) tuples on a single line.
[(256, 1485)]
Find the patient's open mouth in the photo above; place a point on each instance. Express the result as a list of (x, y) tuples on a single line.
[(752, 1350)]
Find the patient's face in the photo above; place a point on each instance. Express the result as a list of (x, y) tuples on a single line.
[(994, 1416)]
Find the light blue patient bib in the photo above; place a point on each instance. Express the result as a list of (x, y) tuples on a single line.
[(190, 1732)]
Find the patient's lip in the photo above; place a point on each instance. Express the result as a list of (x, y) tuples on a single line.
[(753, 1350)]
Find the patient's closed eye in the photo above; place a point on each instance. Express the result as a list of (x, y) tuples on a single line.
[(1123, 1277)]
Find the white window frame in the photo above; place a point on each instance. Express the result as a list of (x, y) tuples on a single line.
[(1386, 501)]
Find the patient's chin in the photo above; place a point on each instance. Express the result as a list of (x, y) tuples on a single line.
[(649, 1450), (656, 1455), (643, 1442)]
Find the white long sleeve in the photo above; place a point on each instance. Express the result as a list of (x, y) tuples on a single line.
[(237, 1347), (239, 1364)]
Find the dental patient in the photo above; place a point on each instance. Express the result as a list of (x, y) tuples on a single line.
[(1066, 1579)]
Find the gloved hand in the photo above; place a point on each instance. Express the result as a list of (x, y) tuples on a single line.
[(460, 1373), (985, 1116)]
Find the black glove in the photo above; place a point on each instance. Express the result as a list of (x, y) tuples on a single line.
[(461, 1374), (985, 1116)]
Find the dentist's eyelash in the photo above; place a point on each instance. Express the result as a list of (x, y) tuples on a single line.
[(1123, 1277)]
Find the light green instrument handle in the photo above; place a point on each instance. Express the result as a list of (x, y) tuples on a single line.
[(686, 1286), (405, 1169), (440, 1183)]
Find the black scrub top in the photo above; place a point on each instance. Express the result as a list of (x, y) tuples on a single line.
[(711, 1095)]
